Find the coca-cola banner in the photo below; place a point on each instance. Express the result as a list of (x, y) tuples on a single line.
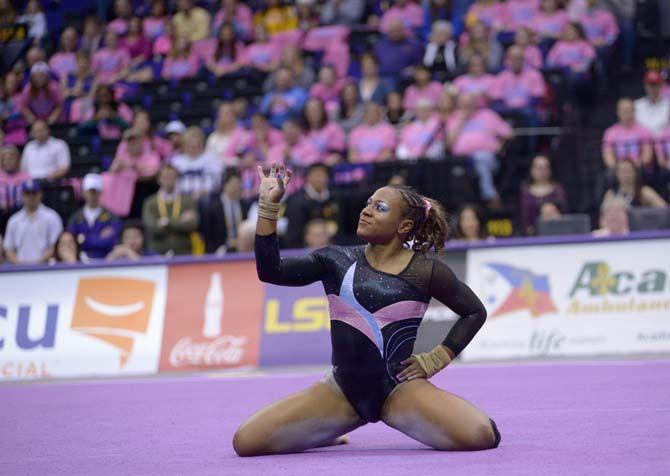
[(212, 318), (296, 326)]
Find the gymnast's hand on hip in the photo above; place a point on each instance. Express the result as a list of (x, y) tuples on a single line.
[(424, 365)]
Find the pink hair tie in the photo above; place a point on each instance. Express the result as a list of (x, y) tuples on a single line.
[(427, 206)]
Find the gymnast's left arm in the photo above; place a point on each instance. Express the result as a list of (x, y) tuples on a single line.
[(456, 295)]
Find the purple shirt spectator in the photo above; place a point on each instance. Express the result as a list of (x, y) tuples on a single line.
[(395, 51), (108, 63)]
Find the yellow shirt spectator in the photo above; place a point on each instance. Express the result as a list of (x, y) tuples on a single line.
[(277, 19), (192, 24)]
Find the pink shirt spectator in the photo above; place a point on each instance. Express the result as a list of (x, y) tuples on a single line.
[(480, 132), (482, 85), (179, 68), (411, 15), (301, 154), (662, 146), (107, 63), (371, 141), (518, 13), (139, 48), (431, 91), (517, 91), (490, 15), (206, 50), (576, 55), (244, 142), (243, 21), (44, 103), (532, 57), (330, 138), (417, 137), (63, 64), (549, 25), (162, 45), (83, 110), (153, 27), (118, 26), (329, 94), (157, 145), (146, 164), (339, 56), (332, 40), (626, 142), (599, 25), (261, 54)]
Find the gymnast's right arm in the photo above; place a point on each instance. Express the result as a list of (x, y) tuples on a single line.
[(272, 268)]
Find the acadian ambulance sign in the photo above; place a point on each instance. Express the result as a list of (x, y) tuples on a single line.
[(572, 300)]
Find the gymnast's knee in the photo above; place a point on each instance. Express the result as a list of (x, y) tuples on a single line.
[(246, 443)]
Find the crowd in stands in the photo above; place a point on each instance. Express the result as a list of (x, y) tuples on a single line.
[(342, 86)]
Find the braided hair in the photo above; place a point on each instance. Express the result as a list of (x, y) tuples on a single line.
[(430, 228)]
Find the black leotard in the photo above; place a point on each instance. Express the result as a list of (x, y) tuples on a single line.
[(374, 315)]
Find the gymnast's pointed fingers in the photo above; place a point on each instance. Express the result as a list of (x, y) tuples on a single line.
[(287, 177), (261, 174)]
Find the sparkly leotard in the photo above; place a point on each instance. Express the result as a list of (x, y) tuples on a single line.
[(374, 315)]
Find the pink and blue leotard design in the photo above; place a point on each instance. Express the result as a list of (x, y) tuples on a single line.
[(374, 315)]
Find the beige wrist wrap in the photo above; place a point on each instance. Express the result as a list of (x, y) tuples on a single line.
[(268, 210), (433, 361)]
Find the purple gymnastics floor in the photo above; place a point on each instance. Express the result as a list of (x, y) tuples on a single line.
[(600, 418)]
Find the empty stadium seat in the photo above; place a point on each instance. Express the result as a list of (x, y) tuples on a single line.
[(575, 224), (644, 218)]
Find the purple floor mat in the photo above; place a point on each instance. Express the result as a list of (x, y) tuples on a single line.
[(556, 419)]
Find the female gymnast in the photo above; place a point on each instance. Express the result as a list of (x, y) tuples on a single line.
[(378, 294)]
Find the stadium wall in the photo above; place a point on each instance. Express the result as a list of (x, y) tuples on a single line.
[(549, 297)]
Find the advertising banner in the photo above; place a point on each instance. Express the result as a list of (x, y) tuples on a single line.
[(296, 326), (572, 300), (81, 322), (213, 316)]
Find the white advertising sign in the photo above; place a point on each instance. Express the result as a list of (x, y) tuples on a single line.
[(105, 321), (572, 300)]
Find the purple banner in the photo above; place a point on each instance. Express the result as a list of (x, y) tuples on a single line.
[(296, 326)]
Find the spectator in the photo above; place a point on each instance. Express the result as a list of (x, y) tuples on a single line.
[(34, 55), (408, 12), (181, 63), (313, 201), (541, 187), (572, 52), (111, 63), (32, 231), (479, 41), (45, 157), (101, 115), (14, 124), (371, 87), (295, 150), (549, 211), (396, 53), (422, 88), (308, 18), (174, 131), (169, 217), (140, 50), (64, 61), (276, 18), (66, 250), (292, 58), (441, 56), (342, 12), (625, 12), (599, 25), (191, 22), (518, 13), (532, 55), (351, 109), (132, 244), (395, 113), (470, 224), (164, 43), (199, 171), (227, 131), (550, 21), (253, 147), (36, 20), (151, 142), (11, 179), (374, 140), (226, 54), (424, 136), (95, 227), (477, 80), (447, 104), (221, 215), (81, 82), (627, 139), (286, 101), (444, 10), (123, 13), (237, 14), (478, 134), (154, 25), (41, 98), (262, 54), (653, 110), (91, 38), (488, 12), (328, 88), (613, 217), (317, 234), (326, 136), (628, 186), (8, 12), (662, 148)]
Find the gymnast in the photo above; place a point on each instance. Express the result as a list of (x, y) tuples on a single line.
[(377, 294)]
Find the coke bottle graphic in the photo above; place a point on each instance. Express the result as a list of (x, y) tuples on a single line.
[(213, 307)]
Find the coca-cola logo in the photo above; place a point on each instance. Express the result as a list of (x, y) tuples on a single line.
[(224, 350)]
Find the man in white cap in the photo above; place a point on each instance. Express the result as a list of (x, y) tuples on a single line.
[(174, 131), (95, 227), (32, 231)]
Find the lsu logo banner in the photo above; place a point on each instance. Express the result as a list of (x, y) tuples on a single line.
[(575, 299)]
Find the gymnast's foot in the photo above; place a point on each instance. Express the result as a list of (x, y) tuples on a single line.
[(340, 440)]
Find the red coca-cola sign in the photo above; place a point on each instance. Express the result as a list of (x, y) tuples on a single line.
[(213, 317)]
